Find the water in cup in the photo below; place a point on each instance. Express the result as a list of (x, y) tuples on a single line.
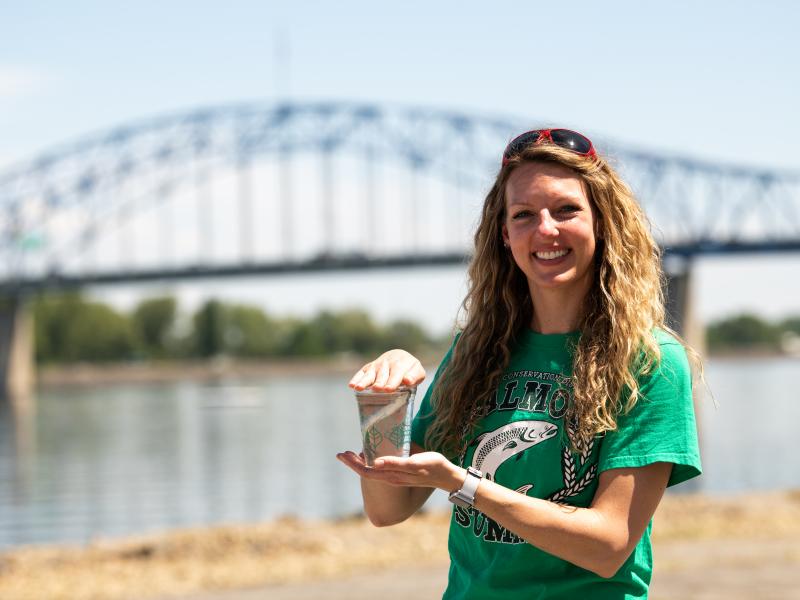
[(386, 422)]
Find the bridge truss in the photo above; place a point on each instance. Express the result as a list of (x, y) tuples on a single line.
[(271, 188)]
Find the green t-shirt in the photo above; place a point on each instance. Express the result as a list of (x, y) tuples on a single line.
[(521, 444)]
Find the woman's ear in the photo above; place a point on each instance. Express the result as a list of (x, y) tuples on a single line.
[(504, 233)]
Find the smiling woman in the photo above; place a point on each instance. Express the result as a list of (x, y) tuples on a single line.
[(550, 228), (564, 407)]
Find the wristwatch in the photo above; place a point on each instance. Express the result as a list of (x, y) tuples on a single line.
[(465, 497)]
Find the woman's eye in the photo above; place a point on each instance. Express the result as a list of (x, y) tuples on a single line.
[(521, 214), (568, 210)]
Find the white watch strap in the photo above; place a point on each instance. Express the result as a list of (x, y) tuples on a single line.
[(470, 485)]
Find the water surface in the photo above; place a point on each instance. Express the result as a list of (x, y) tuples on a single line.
[(124, 459)]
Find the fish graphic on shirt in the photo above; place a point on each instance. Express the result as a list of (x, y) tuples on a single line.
[(496, 447)]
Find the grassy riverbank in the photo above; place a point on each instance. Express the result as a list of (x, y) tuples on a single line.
[(289, 551)]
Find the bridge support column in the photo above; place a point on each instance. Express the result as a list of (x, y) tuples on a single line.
[(682, 317), (17, 371), (681, 314)]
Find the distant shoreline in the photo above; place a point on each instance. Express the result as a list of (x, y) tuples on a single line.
[(754, 354), (84, 374)]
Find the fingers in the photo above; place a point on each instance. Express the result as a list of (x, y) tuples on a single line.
[(388, 372), (381, 379), (408, 465), (359, 463), (356, 463), (363, 378), (399, 470), (426, 469), (415, 375), (353, 461), (399, 465)]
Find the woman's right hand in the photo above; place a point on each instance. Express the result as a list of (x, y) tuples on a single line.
[(388, 372)]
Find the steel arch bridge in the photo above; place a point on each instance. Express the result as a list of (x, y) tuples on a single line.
[(287, 187)]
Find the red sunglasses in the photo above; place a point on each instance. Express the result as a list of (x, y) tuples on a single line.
[(565, 138)]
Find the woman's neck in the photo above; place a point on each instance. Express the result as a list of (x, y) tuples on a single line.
[(556, 311)]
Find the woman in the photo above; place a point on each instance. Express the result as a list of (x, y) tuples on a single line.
[(564, 407)]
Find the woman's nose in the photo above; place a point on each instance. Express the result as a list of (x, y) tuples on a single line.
[(547, 225)]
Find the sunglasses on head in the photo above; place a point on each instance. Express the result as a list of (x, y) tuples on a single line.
[(565, 138)]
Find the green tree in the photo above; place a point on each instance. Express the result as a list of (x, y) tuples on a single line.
[(153, 320), (250, 332), (100, 334), (406, 335), (209, 329), (790, 324), (351, 331), (69, 329), (306, 339), (52, 315), (288, 335), (329, 333), (742, 331)]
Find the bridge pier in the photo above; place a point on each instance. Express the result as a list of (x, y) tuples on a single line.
[(17, 371), (681, 315)]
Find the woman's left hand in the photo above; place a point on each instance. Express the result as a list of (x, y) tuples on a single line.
[(425, 469)]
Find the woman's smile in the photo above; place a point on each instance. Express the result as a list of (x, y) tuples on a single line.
[(551, 256), (549, 228)]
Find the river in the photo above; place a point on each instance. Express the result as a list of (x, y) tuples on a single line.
[(108, 461)]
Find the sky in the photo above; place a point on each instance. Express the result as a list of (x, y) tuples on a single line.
[(716, 80)]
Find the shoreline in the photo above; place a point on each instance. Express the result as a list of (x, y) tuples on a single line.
[(83, 374), (217, 369), (689, 531)]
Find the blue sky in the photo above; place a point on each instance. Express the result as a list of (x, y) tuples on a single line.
[(717, 80)]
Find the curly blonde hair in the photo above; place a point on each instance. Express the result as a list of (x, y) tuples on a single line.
[(622, 310)]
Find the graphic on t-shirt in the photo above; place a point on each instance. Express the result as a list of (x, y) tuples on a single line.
[(496, 447), (490, 560), (572, 484)]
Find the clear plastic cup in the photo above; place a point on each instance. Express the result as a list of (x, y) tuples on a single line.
[(386, 422)]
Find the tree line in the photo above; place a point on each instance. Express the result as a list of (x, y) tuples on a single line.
[(71, 328), (750, 332)]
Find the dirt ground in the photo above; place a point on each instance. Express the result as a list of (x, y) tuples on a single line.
[(705, 548), (718, 569)]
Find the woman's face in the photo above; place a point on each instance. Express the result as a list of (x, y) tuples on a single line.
[(550, 226)]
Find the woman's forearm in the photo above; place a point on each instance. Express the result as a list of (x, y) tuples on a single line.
[(387, 504), (599, 538), (578, 535)]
